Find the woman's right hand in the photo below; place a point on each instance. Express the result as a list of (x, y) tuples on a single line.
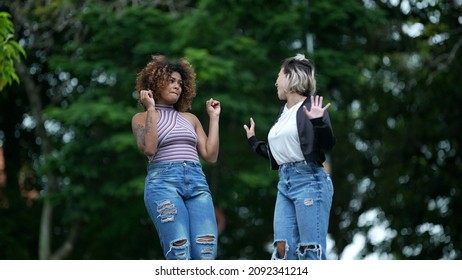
[(147, 99), (250, 131)]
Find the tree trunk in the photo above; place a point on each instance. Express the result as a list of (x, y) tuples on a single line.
[(51, 184)]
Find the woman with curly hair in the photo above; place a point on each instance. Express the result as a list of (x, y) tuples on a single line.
[(176, 194)]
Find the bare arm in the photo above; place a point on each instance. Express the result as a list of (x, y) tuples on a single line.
[(144, 125), (208, 145)]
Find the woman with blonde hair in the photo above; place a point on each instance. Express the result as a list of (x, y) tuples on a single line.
[(296, 147)]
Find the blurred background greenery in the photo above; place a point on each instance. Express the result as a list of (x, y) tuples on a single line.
[(71, 177)]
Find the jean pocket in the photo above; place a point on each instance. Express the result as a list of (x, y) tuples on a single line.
[(303, 169), (159, 171)]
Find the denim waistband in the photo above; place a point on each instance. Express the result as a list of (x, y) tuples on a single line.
[(304, 162), (153, 165)]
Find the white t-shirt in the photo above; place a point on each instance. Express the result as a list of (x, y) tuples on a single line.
[(283, 137)]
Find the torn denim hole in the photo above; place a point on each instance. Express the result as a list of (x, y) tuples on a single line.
[(308, 201), (180, 249), (275, 255), (302, 250), (207, 243), (206, 239), (166, 210)]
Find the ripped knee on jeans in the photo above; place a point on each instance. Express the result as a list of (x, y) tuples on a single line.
[(180, 242), (180, 249), (205, 239), (316, 248), (207, 243), (280, 249)]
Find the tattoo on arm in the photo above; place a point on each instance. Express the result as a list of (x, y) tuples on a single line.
[(140, 133), (147, 128)]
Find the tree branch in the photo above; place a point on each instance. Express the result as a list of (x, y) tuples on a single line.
[(68, 246)]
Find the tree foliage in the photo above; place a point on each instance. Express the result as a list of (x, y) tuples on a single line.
[(389, 68), (10, 51)]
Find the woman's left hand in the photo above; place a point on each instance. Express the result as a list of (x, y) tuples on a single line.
[(213, 107), (316, 110)]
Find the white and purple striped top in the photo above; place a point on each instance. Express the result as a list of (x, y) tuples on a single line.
[(177, 140)]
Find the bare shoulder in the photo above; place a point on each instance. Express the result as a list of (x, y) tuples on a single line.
[(141, 116), (190, 117), (139, 120)]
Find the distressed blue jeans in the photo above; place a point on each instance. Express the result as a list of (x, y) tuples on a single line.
[(301, 215), (179, 202)]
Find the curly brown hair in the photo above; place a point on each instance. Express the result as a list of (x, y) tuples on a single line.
[(156, 75)]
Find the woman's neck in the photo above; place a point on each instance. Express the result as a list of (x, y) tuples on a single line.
[(294, 98)]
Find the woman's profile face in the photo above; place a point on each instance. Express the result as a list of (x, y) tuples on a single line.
[(280, 85), (171, 92)]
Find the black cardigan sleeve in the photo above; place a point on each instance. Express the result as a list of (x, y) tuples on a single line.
[(324, 137), (259, 147), (262, 149)]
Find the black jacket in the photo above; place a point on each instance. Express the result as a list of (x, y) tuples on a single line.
[(316, 137)]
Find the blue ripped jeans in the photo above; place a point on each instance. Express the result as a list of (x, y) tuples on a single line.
[(301, 216), (179, 202)]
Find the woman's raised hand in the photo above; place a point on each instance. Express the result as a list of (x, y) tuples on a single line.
[(316, 110), (250, 131), (147, 98)]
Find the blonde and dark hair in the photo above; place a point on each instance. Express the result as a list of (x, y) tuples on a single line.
[(300, 74), (156, 75)]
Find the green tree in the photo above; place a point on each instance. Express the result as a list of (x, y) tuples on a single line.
[(394, 168), (400, 164), (407, 130), (10, 51)]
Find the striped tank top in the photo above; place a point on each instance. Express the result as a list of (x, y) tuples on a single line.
[(177, 140)]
